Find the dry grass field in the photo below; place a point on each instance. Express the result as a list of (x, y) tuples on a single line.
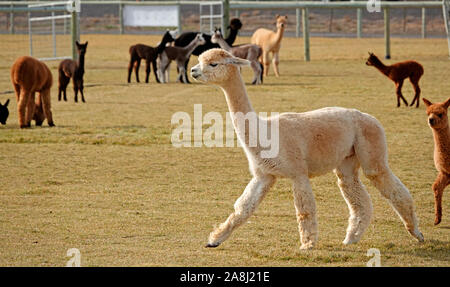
[(108, 181)]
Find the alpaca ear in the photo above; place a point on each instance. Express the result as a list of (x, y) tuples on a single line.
[(446, 103), (86, 43), (238, 61), (285, 17), (7, 102), (426, 102), (76, 42), (278, 16)]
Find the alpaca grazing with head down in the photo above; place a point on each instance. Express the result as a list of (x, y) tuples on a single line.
[(398, 73), (250, 52), (438, 122), (28, 76), (270, 42), (149, 54), (309, 144), (181, 56), (72, 69), (4, 112)]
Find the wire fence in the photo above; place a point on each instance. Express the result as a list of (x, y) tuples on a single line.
[(104, 18)]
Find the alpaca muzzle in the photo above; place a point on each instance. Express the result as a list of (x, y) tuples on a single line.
[(195, 72)]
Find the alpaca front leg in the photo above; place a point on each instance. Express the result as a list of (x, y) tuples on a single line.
[(305, 207), (266, 62), (438, 187), (356, 197), (398, 91), (243, 208), (46, 107), (275, 62)]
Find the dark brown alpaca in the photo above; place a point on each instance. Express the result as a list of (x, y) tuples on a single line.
[(28, 76), (72, 69), (438, 121), (398, 73), (149, 54)]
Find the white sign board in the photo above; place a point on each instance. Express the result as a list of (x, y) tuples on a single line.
[(446, 9), (150, 16)]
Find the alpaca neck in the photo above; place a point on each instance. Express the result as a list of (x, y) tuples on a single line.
[(160, 48), (441, 139), (80, 64), (191, 47), (238, 102), (279, 35), (223, 44), (231, 37), (382, 67)]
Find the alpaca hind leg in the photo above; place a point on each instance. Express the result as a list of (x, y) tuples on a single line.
[(371, 151), (398, 87), (46, 107), (21, 107), (305, 207), (17, 91), (275, 62), (81, 86), (30, 109), (243, 208), (256, 72), (438, 187), (356, 197), (147, 71)]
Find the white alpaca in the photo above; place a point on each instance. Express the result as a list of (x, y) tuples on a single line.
[(310, 144)]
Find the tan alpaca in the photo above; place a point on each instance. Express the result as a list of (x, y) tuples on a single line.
[(270, 42), (310, 144), (28, 76), (438, 121)]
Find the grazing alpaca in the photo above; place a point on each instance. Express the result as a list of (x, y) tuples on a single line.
[(181, 56), (250, 52), (398, 73), (185, 38), (438, 121), (4, 112), (309, 144), (270, 42), (28, 76), (149, 54), (72, 69)]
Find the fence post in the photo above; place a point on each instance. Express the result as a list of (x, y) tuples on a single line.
[(424, 23), (297, 27), (305, 18), (358, 22), (226, 16), (387, 31), (121, 18), (74, 34), (11, 20), (179, 19)]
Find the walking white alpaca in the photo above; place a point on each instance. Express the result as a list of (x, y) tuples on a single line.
[(250, 52), (180, 55), (310, 144)]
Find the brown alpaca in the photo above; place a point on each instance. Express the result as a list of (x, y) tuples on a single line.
[(149, 54), (438, 121), (28, 76), (270, 42), (72, 69), (398, 73)]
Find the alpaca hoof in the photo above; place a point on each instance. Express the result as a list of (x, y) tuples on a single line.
[(348, 241), (307, 246), (51, 124), (212, 245), (437, 221)]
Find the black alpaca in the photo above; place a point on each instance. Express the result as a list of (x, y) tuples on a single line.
[(185, 38), (72, 69), (149, 54), (4, 113)]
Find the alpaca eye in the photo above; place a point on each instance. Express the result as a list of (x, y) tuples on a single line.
[(439, 115), (213, 64)]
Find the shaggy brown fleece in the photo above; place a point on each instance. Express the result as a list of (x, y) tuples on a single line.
[(28, 76)]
